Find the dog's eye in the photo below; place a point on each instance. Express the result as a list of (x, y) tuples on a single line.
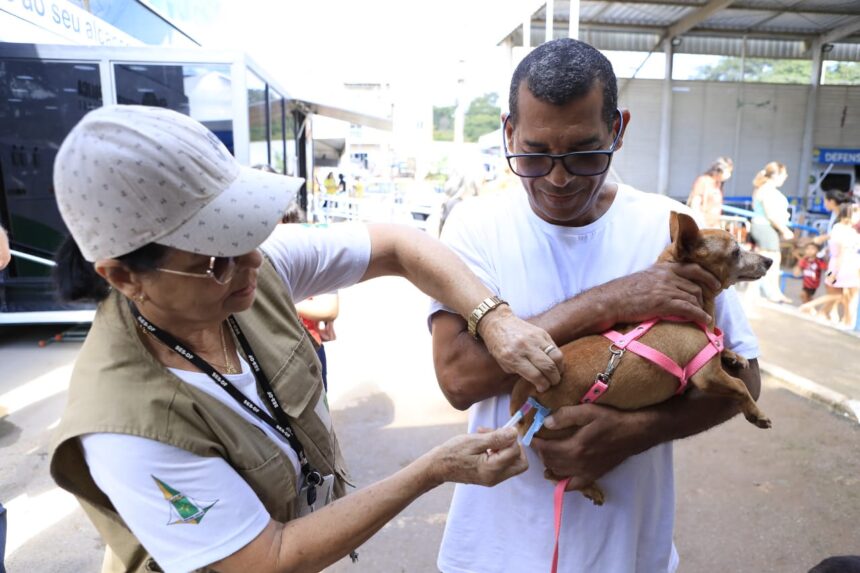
[(736, 252)]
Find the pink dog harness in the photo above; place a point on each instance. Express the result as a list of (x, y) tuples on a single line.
[(620, 344), (629, 341)]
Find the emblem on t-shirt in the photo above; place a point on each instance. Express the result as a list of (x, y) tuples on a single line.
[(183, 509)]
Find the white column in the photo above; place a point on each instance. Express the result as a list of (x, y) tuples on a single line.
[(573, 18), (550, 15), (527, 32), (666, 122), (460, 110), (809, 123)]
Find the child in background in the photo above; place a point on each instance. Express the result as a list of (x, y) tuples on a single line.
[(810, 267)]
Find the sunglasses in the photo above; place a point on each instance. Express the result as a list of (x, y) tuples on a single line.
[(584, 163), (221, 270)]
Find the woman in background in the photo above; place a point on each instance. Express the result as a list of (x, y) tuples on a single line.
[(706, 197), (770, 224)]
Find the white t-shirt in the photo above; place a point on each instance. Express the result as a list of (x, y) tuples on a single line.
[(140, 475), (534, 266)]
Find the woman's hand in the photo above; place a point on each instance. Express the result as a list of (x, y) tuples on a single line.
[(521, 348), (485, 458)]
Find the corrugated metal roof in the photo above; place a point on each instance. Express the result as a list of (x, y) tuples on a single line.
[(770, 28)]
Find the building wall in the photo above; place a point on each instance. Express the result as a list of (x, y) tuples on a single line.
[(751, 123)]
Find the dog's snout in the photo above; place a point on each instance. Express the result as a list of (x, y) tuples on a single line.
[(767, 262)]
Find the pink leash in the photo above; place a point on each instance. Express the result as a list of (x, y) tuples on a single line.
[(559, 506), (628, 341)]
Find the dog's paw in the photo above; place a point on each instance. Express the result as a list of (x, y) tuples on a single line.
[(760, 420), (594, 493), (734, 360)]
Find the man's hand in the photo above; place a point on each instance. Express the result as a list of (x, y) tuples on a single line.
[(605, 438), (663, 289)]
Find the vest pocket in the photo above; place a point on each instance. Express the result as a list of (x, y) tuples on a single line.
[(274, 482)]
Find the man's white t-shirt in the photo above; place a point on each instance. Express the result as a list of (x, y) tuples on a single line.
[(139, 474), (534, 266)]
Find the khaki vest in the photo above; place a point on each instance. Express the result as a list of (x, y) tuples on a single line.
[(115, 375)]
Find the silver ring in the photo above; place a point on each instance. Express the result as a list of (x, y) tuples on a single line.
[(549, 348)]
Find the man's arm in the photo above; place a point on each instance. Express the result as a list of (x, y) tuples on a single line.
[(606, 436), (468, 374)]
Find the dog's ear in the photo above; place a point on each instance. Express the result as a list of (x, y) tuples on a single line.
[(684, 233)]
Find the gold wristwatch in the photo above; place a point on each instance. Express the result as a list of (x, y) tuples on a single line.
[(481, 311)]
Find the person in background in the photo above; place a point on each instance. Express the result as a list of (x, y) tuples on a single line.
[(833, 198), (358, 187), (844, 267), (706, 198), (318, 314), (810, 266), (769, 224), (341, 183)]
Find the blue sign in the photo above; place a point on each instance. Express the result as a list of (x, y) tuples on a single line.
[(837, 156)]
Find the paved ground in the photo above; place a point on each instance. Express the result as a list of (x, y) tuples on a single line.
[(748, 500)]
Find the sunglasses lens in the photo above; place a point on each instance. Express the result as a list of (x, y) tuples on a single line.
[(587, 164), (223, 269), (531, 166)]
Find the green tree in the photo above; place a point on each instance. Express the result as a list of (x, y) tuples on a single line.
[(482, 117), (728, 69), (843, 73), (443, 123)]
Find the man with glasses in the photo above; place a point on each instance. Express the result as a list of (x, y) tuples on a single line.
[(575, 254)]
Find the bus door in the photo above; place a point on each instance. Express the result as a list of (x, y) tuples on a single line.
[(40, 101)]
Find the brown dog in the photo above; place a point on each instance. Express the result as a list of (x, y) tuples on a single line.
[(636, 382)]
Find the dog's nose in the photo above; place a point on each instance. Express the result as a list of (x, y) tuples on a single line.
[(767, 262)]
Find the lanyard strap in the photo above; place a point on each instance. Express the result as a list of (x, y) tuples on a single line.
[(281, 425)]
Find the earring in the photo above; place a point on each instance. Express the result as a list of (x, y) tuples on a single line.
[(140, 298)]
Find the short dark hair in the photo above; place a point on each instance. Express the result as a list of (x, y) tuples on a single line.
[(563, 70), (76, 278)]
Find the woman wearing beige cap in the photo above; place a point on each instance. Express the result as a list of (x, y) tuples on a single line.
[(197, 433)]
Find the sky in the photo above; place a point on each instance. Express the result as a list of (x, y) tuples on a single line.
[(329, 42), (422, 48)]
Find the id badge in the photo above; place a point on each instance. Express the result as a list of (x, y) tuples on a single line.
[(324, 493)]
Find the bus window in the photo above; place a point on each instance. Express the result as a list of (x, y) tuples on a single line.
[(203, 91), (276, 129), (258, 150), (40, 102)]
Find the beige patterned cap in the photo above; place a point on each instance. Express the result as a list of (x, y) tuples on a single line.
[(127, 176)]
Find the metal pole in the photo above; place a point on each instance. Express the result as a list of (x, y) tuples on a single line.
[(739, 117), (527, 32), (550, 14), (35, 259), (666, 122), (573, 20), (809, 124)]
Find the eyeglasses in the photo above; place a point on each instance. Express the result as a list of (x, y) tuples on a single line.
[(584, 163), (221, 270)]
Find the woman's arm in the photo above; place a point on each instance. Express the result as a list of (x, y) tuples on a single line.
[(314, 542), (515, 344), (778, 217)]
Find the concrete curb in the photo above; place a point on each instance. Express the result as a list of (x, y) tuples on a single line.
[(813, 390)]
